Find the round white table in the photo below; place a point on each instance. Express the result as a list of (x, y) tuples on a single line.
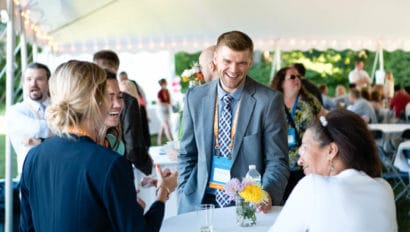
[(224, 219), (390, 127)]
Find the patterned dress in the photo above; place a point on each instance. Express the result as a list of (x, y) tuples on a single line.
[(307, 109)]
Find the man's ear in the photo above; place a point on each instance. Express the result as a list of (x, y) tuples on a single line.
[(212, 66)]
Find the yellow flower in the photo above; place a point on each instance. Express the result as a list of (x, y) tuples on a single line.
[(185, 79), (253, 193)]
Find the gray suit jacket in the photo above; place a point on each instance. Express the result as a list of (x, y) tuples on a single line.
[(261, 139)]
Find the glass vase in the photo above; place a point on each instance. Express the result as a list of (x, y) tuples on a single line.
[(245, 212)]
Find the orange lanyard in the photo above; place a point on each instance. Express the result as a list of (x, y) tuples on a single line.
[(216, 125), (78, 131)]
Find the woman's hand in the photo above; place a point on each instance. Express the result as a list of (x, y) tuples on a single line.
[(141, 202), (148, 181), (167, 183)]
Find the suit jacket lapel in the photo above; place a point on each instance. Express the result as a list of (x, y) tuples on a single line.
[(208, 107), (247, 105)]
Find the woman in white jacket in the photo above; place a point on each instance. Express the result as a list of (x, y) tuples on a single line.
[(343, 189)]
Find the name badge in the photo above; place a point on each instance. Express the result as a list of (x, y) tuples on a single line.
[(291, 137), (220, 172)]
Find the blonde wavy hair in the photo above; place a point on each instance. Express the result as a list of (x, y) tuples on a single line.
[(129, 87), (77, 92)]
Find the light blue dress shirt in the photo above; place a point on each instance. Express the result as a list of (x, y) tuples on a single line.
[(26, 120)]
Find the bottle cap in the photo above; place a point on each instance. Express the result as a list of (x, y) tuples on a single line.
[(252, 166)]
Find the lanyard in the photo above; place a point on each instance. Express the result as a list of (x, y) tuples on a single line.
[(293, 112), (216, 125), (79, 132)]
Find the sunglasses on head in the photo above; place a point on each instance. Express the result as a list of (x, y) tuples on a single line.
[(292, 77)]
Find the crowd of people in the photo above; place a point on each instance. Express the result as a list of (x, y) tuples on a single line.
[(88, 127)]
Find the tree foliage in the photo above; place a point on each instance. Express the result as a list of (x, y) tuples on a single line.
[(329, 67), (17, 82)]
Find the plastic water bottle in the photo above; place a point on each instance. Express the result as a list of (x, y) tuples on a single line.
[(253, 174)]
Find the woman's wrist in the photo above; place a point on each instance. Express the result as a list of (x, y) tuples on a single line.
[(162, 193)]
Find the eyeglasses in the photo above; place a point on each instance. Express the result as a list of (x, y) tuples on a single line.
[(292, 77)]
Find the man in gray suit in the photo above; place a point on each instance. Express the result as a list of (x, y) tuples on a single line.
[(258, 133)]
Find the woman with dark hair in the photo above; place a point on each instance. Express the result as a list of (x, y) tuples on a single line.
[(301, 107), (343, 189)]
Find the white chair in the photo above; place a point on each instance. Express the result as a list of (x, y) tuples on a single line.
[(407, 112)]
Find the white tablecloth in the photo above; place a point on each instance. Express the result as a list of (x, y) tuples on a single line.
[(158, 154), (390, 128), (154, 123), (224, 219), (392, 134)]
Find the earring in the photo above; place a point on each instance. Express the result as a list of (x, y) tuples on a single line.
[(331, 167)]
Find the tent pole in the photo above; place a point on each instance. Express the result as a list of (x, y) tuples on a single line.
[(23, 43), (34, 51), (376, 57), (23, 47), (276, 62), (381, 59), (9, 100)]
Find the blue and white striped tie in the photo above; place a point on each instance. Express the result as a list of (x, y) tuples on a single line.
[(225, 126), (224, 140)]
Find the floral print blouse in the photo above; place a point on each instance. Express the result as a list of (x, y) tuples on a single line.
[(308, 108)]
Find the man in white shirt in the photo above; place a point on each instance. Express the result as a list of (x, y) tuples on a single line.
[(358, 76), (26, 124)]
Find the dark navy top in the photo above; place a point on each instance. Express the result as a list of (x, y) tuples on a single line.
[(74, 184)]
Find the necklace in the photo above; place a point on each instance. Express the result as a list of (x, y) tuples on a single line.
[(78, 131)]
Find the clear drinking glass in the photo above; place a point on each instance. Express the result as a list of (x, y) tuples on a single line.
[(205, 216)]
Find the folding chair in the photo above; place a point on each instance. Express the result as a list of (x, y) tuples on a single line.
[(406, 134), (382, 142), (407, 112), (378, 135), (397, 178)]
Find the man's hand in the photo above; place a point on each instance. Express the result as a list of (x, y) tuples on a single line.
[(265, 205), (30, 141)]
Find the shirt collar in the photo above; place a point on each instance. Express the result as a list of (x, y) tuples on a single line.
[(235, 94), (36, 104)]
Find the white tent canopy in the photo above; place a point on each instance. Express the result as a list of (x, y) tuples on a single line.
[(85, 26), (74, 26)]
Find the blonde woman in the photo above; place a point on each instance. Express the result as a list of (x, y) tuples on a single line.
[(389, 85), (70, 182)]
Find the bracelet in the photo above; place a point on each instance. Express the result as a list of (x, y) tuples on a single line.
[(164, 187)]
